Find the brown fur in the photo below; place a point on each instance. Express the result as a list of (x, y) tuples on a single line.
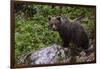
[(69, 31)]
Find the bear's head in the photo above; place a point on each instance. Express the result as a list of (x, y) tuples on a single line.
[(55, 23)]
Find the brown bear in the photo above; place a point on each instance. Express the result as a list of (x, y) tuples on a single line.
[(70, 31)]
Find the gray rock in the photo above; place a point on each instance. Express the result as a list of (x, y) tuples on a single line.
[(55, 54)]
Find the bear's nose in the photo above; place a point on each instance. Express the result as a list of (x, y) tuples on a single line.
[(54, 27)]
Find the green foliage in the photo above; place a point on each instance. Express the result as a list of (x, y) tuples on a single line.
[(31, 30)]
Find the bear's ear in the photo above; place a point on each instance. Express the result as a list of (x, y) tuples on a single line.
[(59, 18), (49, 18)]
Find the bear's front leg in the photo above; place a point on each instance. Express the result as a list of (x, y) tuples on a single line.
[(65, 44)]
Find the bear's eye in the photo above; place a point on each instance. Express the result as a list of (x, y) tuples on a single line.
[(51, 25), (57, 23)]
